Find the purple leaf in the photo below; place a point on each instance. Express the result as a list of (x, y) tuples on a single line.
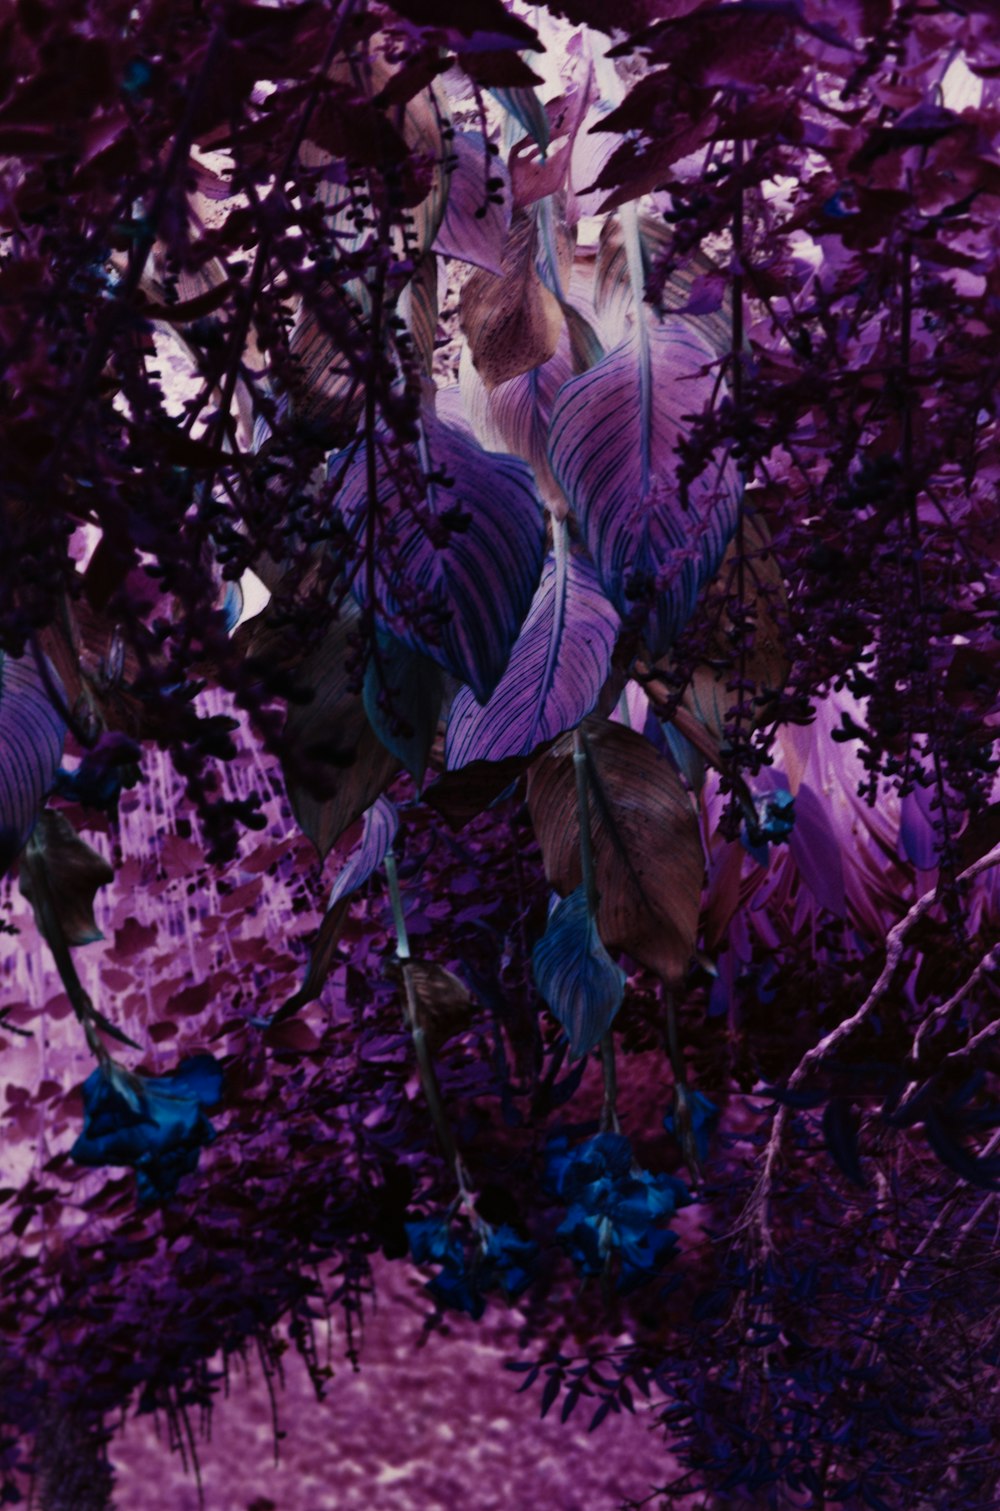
[(575, 974), (465, 233), (381, 823), (31, 742), (918, 838), (477, 571), (555, 674), (613, 445)]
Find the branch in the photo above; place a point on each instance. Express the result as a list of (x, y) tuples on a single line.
[(760, 1201)]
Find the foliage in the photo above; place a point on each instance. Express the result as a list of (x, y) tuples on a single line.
[(589, 437)]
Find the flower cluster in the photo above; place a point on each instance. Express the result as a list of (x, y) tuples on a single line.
[(614, 1208), (154, 1123), (501, 1261)]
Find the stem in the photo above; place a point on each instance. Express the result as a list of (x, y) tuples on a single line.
[(425, 1065), (682, 1104), (402, 938), (609, 1112)]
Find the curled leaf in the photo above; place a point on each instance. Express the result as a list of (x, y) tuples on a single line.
[(647, 846), (575, 974), (74, 871), (511, 321)]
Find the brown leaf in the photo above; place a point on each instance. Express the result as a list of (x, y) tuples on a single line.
[(512, 323), (647, 846), (74, 871), (445, 1003), (335, 766)]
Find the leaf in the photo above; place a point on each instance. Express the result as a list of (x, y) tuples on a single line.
[(815, 848), (74, 870), (647, 846), (527, 109), (461, 795), (335, 766), (381, 823), (403, 692), (475, 562), (511, 321), (682, 294), (475, 225), (575, 974), (557, 668), (31, 742), (444, 1002), (613, 445), (320, 961), (708, 697), (514, 416), (418, 305)]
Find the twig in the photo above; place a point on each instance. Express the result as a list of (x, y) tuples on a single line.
[(760, 1201)]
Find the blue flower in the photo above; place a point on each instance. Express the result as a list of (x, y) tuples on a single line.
[(773, 819), (500, 1260), (614, 1207), (156, 1124)]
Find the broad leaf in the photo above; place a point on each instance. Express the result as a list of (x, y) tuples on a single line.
[(31, 742), (647, 846), (475, 225), (74, 871), (614, 440), (512, 322), (557, 668), (683, 293), (474, 563), (403, 692), (575, 974)]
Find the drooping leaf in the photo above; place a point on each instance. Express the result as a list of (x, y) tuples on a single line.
[(613, 446), (461, 795), (511, 321), (381, 823), (476, 563), (31, 743), (557, 668), (321, 960), (444, 1003), (476, 221), (575, 974), (647, 847), (336, 766), (74, 870), (403, 692)]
